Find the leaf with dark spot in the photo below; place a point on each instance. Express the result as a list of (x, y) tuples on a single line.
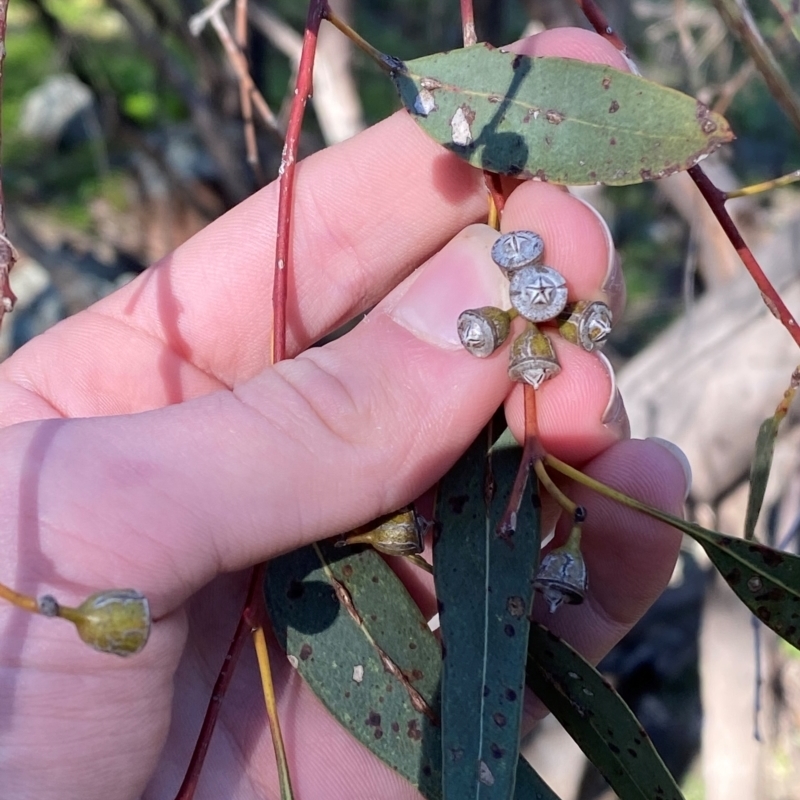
[(593, 713), (349, 620), (553, 118), (329, 610), (484, 632)]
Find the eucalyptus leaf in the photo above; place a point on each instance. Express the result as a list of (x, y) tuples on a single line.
[(556, 119), (759, 473), (531, 785), (765, 579), (762, 462), (344, 619), (598, 719), (483, 577), (353, 632)]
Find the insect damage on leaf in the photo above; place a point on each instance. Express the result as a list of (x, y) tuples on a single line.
[(556, 119)]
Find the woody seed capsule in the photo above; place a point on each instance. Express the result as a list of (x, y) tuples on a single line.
[(533, 359), (586, 323), (483, 330), (517, 249), (538, 293), (562, 577)]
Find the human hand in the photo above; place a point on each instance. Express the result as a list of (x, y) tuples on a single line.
[(150, 444)]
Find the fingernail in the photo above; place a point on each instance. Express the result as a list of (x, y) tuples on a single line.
[(680, 457), (460, 276), (613, 284), (632, 65), (615, 418)]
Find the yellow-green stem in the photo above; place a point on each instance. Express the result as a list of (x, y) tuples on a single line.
[(20, 600), (381, 59), (552, 489), (284, 780)]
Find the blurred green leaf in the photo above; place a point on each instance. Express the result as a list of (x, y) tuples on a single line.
[(484, 587), (762, 462), (355, 635), (556, 119), (792, 11), (598, 719)]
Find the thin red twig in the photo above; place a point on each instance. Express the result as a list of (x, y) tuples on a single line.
[(468, 23), (599, 21), (247, 622), (716, 202), (316, 11)]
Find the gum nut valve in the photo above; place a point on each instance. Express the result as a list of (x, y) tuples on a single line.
[(483, 330), (517, 249), (561, 577), (586, 323), (533, 359), (538, 293)]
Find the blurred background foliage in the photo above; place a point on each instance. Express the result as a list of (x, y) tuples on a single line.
[(93, 163), (122, 136)]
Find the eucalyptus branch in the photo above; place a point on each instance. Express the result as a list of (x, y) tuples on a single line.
[(736, 15), (245, 98)]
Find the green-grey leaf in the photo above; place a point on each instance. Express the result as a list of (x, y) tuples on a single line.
[(766, 580), (329, 645), (598, 719), (556, 119), (484, 588), (759, 473), (762, 462), (355, 635)]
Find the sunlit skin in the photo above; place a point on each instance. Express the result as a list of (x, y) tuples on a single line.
[(148, 443)]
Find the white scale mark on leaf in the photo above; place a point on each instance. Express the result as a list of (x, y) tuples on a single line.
[(461, 131), (485, 774), (424, 102), (293, 661), (358, 673)]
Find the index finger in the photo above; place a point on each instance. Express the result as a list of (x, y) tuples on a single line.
[(368, 212)]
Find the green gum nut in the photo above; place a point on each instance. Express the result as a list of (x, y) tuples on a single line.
[(115, 621), (398, 535)]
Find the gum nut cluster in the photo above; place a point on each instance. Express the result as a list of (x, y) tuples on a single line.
[(538, 294)]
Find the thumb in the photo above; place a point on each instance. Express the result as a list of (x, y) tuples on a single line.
[(317, 445)]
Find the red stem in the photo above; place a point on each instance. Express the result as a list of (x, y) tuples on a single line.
[(599, 21), (716, 202), (468, 23), (248, 620), (316, 12)]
